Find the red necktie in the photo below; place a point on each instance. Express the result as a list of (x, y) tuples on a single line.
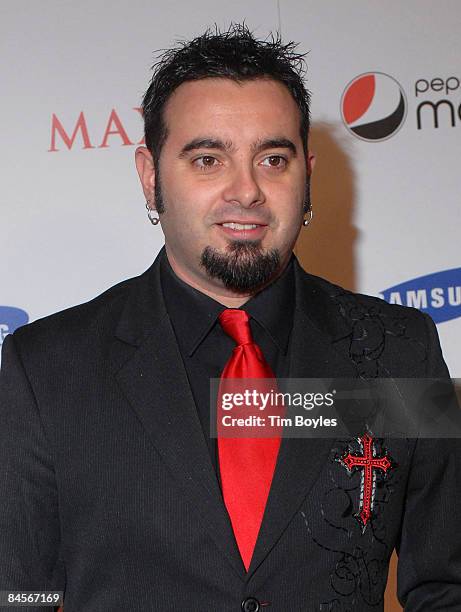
[(246, 464)]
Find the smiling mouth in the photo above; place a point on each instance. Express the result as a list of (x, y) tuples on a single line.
[(241, 226), (243, 231)]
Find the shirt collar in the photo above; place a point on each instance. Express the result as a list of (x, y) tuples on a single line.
[(193, 313)]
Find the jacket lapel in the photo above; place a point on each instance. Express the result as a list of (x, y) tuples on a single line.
[(317, 328), (155, 383)]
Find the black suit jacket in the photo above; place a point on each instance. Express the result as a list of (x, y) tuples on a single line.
[(108, 493)]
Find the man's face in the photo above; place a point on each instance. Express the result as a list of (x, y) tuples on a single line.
[(233, 180)]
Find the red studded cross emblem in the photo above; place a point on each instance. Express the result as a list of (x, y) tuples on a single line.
[(369, 463)]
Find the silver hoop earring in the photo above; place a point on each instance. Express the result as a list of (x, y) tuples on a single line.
[(151, 214), (308, 204), (308, 219)]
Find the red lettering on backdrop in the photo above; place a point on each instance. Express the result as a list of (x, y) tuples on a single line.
[(56, 126), (114, 126), (142, 141), (119, 129)]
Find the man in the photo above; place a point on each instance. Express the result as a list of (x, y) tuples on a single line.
[(112, 488)]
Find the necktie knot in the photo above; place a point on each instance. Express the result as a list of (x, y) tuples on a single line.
[(236, 324)]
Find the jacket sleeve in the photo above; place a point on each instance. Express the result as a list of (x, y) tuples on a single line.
[(29, 521), (429, 550)]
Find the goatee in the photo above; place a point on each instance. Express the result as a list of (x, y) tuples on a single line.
[(244, 267)]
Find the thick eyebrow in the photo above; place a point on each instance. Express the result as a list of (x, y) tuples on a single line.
[(274, 143), (260, 145), (206, 143)]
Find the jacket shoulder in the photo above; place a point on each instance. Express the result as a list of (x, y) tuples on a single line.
[(382, 339), (356, 304), (80, 324)]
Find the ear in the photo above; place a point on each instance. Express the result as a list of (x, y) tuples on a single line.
[(145, 168), (310, 163)]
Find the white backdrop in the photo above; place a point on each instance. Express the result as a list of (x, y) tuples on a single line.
[(386, 212)]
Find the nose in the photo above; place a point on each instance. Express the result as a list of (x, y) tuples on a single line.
[(243, 188)]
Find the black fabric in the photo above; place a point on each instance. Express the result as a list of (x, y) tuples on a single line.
[(205, 348), (107, 490)]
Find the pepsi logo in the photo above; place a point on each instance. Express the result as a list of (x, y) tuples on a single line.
[(373, 106)]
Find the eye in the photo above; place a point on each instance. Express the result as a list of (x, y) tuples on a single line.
[(205, 161), (274, 161)]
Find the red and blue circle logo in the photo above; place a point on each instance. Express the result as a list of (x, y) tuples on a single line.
[(373, 106)]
